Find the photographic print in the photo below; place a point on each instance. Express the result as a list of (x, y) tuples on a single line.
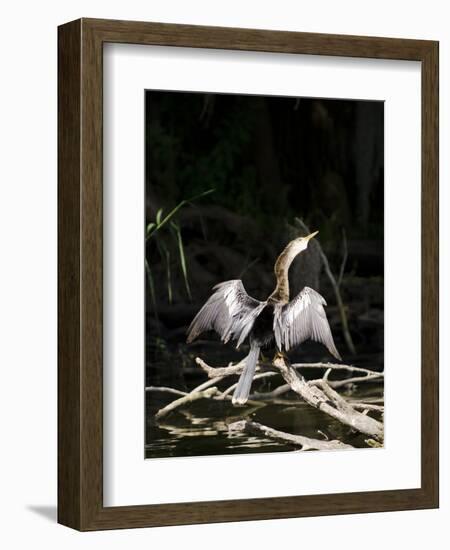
[(231, 273), (264, 274)]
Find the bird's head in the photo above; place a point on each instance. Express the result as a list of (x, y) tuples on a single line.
[(291, 251), (301, 243)]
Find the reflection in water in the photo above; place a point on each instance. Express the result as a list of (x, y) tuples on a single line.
[(203, 428)]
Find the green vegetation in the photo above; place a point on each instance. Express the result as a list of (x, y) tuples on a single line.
[(157, 232)]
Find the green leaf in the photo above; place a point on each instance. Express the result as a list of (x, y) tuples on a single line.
[(169, 276), (160, 223), (151, 285), (179, 205), (182, 260)]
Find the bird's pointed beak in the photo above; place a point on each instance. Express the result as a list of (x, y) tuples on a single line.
[(311, 236)]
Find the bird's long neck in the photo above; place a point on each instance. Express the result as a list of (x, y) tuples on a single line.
[(282, 265)]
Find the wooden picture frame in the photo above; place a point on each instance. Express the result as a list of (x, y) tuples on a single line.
[(80, 270)]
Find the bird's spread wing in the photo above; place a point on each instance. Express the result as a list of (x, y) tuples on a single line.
[(230, 311), (301, 319)]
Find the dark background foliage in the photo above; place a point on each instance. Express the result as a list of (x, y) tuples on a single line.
[(268, 160)]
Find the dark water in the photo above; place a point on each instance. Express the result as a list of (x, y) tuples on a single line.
[(202, 427)]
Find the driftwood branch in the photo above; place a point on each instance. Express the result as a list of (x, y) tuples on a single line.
[(333, 366), (337, 292), (164, 389), (231, 369), (267, 396), (319, 393), (326, 399), (207, 384), (206, 390), (305, 443), (219, 373), (186, 399), (214, 372), (280, 390), (348, 381), (368, 407), (365, 406)]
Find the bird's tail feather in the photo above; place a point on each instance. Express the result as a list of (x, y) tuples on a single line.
[(242, 390)]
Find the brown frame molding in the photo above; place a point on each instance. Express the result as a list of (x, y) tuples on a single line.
[(80, 415)]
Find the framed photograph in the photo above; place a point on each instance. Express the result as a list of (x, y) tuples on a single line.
[(248, 274)]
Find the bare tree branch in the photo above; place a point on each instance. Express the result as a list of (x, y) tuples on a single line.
[(337, 292), (219, 373), (271, 394), (347, 381), (207, 384), (333, 366), (319, 393), (305, 443), (213, 372), (186, 399), (328, 400), (344, 258), (164, 389), (367, 406)]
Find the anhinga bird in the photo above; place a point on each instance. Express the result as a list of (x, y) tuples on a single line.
[(234, 315)]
